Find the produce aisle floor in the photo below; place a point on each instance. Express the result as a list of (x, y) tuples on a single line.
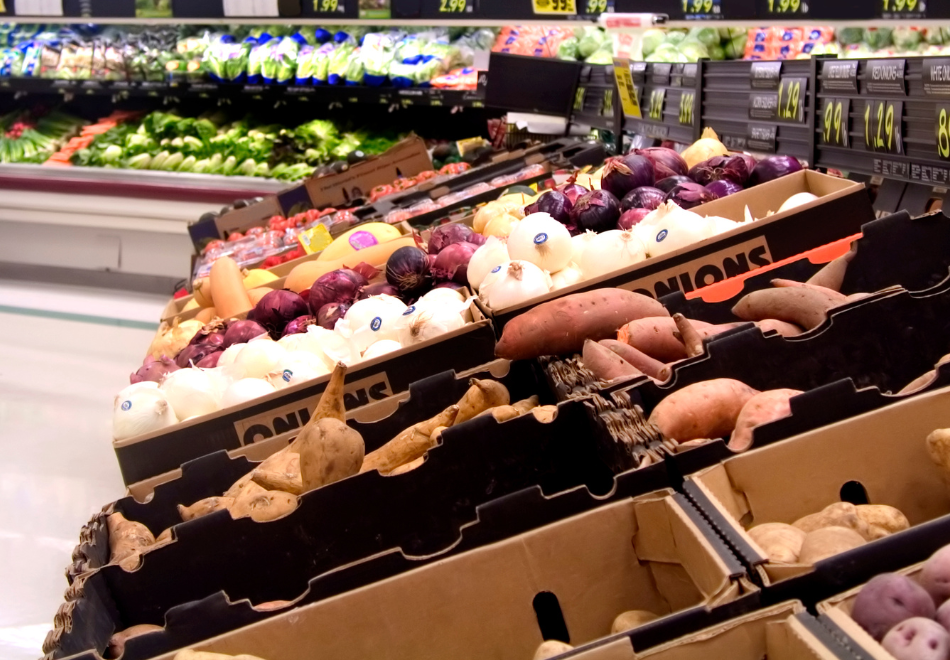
[(64, 354)]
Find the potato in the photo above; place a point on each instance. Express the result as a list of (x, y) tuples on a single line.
[(943, 614), (781, 543), (938, 446), (917, 639), (882, 520), (560, 326), (935, 575), (262, 505), (630, 620), (827, 542), (761, 409), (481, 395), (551, 648), (329, 451), (888, 599), (708, 409), (839, 514), (116, 646)]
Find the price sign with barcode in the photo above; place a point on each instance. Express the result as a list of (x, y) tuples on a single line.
[(555, 6)]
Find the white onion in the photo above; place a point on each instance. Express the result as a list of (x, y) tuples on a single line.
[(721, 225), (139, 410), (143, 385), (450, 296), (229, 354), (310, 341), (258, 358), (370, 320), (244, 390), (798, 199), (670, 228), (493, 253), (519, 282), (566, 277), (611, 251), (427, 322), (579, 243), (381, 348), (543, 241), (191, 392), (493, 275), (297, 367)]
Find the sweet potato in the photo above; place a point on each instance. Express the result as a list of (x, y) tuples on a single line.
[(763, 408), (781, 543), (635, 357), (116, 646), (329, 451), (545, 414), (832, 294), (409, 445), (407, 467), (280, 471), (550, 649), (189, 654), (806, 307), (605, 364), (262, 505), (832, 274), (839, 514), (783, 328), (882, 520), (238, 486), (654, 337), (938, 446), (480, 396), (126, 538), (827, 542), (708, 409), (688, 336), (630, 620), (560, 326), (919, 383), (204, 507)]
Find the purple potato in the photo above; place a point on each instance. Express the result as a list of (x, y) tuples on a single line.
[(935, 575), (888, 599), (917, 639)]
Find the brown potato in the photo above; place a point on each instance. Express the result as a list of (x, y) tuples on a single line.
[(550, 649), (262, 505), (481, 395), (781, 543), (330, 451), (882, 520), (204, 507), (630, 620), (827, 542), (839, 514), (116, 646)]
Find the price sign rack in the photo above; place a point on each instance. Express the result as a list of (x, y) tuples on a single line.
[(887, 120), (670, 100), (596, 100)]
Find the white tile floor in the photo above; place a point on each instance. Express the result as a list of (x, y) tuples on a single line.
[(58, 377)]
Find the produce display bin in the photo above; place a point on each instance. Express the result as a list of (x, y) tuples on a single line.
[(869, 459), (842, 208), (572, 577)]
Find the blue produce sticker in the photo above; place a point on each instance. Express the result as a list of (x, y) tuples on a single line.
[(376, 324), (540, 238), (663, 234), (496, 269), (409, 310), (126, 405), (288, 374)]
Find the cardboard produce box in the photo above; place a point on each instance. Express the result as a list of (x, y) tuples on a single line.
[(781, 632), (487, 481), (876, 458), (370, 380), (570, 578), (841, 210)]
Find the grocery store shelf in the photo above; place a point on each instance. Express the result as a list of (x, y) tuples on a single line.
[(330, 94)]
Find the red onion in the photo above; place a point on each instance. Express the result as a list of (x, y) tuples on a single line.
[(666, 162), (631, 218), (330, 313), (209, 331), (340, 285), (241, 332), (773, 167), (597, 211), (407, 268), (643, 198), (573, 191), (723, 188), (195, 353), (299, 325), (368, 272), (730, 168), (688, 195), (278, 308), (452, 262), (621, 175), (670, 182), (449, 234), (153, 370), (557, 205), (381, 289), (210, 361), (305, 295)]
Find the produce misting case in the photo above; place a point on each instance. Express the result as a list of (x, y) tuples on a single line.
[(840, 212)]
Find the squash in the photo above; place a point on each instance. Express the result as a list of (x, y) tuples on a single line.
[(202, 289), (304, 275), (359, 238), (258, 277), (227, 289)]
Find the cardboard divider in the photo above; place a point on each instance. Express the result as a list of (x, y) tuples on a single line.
[(841, 210), (893, 251), (880, 456), (650, 552), (371, 380), (421, 513)]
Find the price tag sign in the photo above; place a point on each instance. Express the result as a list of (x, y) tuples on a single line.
[(687, 108), (702, 8), (903, 8), (607, 109), (456, 6), (547, 7), (943, 131), (593, 7), (579, 99), (836, 121), (657, 101), (626, 88), (791, 99), (315, 239), (882, 126), (329, 6), (789, 8)]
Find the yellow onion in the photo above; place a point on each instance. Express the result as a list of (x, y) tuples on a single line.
[(704, 148), (172, 339)]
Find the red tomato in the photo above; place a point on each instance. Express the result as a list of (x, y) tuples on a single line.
[(270, 262), (236, 236), (254, 231), (274, 220), (213, 245)]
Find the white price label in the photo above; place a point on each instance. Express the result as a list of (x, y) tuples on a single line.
[(261, 8), (39, 7)]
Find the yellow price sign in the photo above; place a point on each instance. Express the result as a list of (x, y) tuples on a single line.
[(555, 6), (687, 107), (657, 100), (835, 124), (453, 6), (903, 5), (327, 6), (626, 89), (315, 239), (943, 132), (701, 7), (787, 7), (595, 6), (882, 126)]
